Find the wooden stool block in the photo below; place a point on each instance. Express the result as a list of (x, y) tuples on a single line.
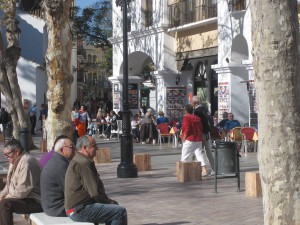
[(188, 171), (43, 145), (103, 155), (253, 184), (1, 138), (142, 161)]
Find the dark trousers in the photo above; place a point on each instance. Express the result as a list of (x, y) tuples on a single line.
[(33, 123), (8, 206)]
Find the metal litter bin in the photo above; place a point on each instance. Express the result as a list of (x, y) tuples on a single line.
[(8, 130), (24, 138), (227, 162), (226, 157)]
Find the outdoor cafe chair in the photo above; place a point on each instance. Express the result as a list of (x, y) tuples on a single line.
[(163, 130), (234, 135), (119, 129), (249, 135)]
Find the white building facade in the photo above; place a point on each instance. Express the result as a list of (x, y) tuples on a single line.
[(197, 47)]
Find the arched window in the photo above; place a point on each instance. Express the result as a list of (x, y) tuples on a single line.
[(149, 13), (89, 58), (200, 73)]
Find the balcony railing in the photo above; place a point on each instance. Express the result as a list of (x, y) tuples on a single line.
[(236, 5), (189, 11)]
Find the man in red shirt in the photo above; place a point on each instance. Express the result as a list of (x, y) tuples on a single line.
[(192, 138)]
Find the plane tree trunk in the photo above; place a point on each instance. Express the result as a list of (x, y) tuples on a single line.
[(275, 31), (9, 56), (58, 56)]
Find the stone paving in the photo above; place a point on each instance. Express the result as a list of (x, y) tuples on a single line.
[(157, 198)]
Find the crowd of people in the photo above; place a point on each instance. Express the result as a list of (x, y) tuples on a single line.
[(65, 182)]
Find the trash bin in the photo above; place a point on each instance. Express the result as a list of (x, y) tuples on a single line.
[(8, 129), (24, 138), (227, 162), (226, 157)]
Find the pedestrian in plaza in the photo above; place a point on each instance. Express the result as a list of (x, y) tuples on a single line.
[(21, 193), (206, 143), (43, 114), (84, 119), (85, 197), (32, 116), (161, 118), (53, 178), (111, 123), (231, 123), (148, 131), (101, 121), (135, 128), (222, 123), (192, 138), (4, 118), (76, 104)]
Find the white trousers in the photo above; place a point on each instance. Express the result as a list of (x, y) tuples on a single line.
[(189, 149)]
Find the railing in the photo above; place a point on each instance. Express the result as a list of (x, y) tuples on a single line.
[(183, 12), (32, 7), (188, 11), (236, 5)]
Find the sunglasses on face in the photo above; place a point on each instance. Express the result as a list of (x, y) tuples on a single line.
[(8, 153)]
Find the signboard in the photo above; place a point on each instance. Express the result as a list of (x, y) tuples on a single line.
[(116, 97), (224, 98), (176, 101), (133, 96)]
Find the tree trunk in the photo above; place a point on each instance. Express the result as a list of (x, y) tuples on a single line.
[(58, 56), (9, 81), (275, 31)]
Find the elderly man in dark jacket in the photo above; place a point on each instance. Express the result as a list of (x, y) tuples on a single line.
[(200, 112), (53, 178)]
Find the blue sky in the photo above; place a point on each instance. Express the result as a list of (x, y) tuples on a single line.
[(84, 3)]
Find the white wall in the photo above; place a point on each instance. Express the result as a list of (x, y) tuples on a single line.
[(31, 37)]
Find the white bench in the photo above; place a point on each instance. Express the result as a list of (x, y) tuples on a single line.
[(43, 219)]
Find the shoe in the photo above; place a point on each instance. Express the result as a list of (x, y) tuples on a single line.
[(204, 174), (212, 173), (143, 143), (153, 142)]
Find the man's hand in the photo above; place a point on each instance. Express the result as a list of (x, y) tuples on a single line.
[(113, 202)]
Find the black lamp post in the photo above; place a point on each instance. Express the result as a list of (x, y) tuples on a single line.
[(126, 169)]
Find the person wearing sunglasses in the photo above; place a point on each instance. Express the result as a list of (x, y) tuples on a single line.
[(53, 178), (21, 193)]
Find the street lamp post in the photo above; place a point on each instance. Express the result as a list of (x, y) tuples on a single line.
[(126, 169)]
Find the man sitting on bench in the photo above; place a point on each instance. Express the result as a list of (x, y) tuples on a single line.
[(53, 177), (21, 193), (85, 198)]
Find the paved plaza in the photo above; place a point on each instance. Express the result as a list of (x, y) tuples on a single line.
[(157, 198)]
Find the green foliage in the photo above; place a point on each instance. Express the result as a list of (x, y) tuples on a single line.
[(107, 64), (94, 23)]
